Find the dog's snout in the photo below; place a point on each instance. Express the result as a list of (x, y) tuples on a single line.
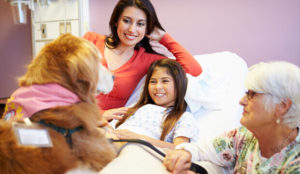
[(105, 81), (113, 77)]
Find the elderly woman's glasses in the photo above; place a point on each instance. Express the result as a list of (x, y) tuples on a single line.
[(250, 94)]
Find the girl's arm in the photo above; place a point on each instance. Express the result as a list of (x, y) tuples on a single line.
[(164, 144), (126, 134), (181, 139), (186, 60)]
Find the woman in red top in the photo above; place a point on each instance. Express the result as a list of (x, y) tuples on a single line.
[(128, 53)]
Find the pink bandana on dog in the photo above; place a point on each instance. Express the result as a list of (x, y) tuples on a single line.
[(26, 101)]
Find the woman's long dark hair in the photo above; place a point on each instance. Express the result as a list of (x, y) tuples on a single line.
[(180, 83), (113, 40)]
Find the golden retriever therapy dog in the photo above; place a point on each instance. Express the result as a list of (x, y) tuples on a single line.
[(57, 93)]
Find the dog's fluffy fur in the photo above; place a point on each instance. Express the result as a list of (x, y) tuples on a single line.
[(74, 64)]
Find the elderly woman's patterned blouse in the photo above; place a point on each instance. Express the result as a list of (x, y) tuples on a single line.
[(239, 150)]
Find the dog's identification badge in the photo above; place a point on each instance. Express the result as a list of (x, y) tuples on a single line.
[(28, 136)]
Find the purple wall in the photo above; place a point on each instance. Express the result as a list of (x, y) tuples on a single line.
[(15, 50), (257, 30)]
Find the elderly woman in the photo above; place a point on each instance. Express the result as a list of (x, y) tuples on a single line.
[(269, 141)]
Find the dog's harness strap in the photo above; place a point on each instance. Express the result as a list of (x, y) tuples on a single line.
[(194, 167), (68, 136), (66, 132)]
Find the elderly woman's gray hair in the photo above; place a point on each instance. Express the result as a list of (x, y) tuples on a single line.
[(278, 81)]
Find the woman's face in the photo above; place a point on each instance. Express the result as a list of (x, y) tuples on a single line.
[(131, 26), (161, 87), (255, 116)]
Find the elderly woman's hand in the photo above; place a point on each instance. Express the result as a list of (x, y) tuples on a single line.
[(178, 161), (156, 34), (115, 114)]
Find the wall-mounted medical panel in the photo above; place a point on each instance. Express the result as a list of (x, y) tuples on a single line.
[(52, 18)]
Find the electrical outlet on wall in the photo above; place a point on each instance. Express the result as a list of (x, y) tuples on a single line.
[(68, 27), (65, 27), (43, 29), (62, 28)]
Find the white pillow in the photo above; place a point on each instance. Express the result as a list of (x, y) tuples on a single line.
[(219, 83), (204, 92), (136, 93)]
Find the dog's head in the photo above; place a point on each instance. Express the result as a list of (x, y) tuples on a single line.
[(73, 63)]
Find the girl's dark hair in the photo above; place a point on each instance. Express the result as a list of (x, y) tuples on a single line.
[(113, 40), (180, 83)]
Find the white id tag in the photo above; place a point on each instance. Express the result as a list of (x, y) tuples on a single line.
[(29, 136)]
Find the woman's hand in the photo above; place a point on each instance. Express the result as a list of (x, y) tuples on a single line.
[(127, 134), (178, 161), (156, 34), (115, 114)]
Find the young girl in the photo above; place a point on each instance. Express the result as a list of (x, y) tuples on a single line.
[(159, 116)]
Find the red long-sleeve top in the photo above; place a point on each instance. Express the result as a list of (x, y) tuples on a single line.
[(128, 75)]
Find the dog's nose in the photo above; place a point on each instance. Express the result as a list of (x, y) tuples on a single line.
[(113, 77)]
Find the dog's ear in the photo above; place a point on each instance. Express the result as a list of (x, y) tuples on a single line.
[(83, 75), (83, 69)]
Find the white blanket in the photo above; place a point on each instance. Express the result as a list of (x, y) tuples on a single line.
[(137, 159)]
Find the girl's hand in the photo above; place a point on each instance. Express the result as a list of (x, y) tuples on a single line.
[(110, 134), (127, 134), (115, 114), (156, 34), (178, 161)]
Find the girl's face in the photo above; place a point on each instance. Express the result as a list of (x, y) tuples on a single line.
[(131, 26), (161, 87)]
